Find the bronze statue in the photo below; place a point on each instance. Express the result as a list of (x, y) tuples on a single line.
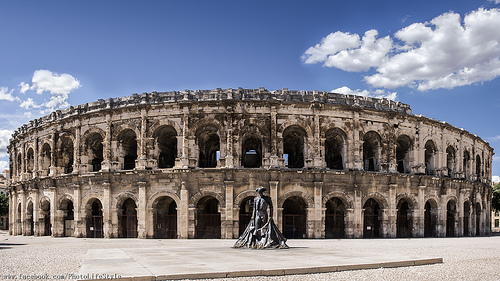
[(261, 232)]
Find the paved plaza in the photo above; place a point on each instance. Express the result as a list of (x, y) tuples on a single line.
[(45, 258)]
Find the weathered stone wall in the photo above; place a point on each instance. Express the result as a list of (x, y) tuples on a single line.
[(422, 174)]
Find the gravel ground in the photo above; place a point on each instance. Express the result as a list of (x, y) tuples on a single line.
[(464, 258)]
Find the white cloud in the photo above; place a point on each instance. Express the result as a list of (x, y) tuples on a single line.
[(29, 103), (54, 83), (5, 94), (4, 141), (58, 85), (379, 94), (494, 1), (495, 179), (4, 165), (443, 53)]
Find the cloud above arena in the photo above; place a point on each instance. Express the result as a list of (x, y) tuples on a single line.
[(446, 52)]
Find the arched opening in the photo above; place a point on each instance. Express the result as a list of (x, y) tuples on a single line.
[(166, 146), (450, 160), (371, 151), (18, 219), (68, 217), (30, 160), (208, 219), (403, 155), (209, 147), (478, 219), (372, 214), (451, 210), (128, 219), (294, 218), (430, 219), (95, 151), (334, 218), (403, 220), (334, 146), (251, 154), (165, 218), (19, 166), (466, 163), (30, 224), (45, 217), (478, 167), (66, 155), (430, 156), (95, 225), (293, 146), (128, 148), (466, 218), (246, 209), (45, 159)]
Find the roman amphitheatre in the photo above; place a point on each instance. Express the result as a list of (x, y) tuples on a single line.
[(185, 164)]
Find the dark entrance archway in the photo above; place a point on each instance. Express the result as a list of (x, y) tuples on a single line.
[(246, 209), (68, 218), (334, 218), (165, 218), (371, 224), (451, 211), (45, 220), (128, 219), (208, 219), (430, 219), (403, 220), (478, 219), (294, 217), (95, 220), (30, 224), (466, 218)]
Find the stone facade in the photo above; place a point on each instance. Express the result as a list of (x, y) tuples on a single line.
[(185, 164)]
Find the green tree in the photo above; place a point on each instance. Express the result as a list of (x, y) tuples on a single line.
[(495, 202), (4, 205)]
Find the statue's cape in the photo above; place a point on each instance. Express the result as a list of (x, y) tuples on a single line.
[(268, 236)]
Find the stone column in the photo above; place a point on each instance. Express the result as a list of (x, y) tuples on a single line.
[(23, 212), (36, 213), (318, 157), (318, 217), (77, 194), (358, 219), (11, 212), (392, 212), (52, 168), (273, 192), (350, 226), (35, 158), (183, 214), (227, 227), (273, 158), (140, 163), (53, 210), (106, 210), (421, 211), (386, 223), (356, 145), (184, 142), (106, 144), (142, 210), (76, 151)]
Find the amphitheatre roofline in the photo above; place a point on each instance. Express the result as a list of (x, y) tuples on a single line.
[(218, 94)]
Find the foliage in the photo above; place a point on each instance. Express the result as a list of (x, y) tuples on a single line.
[(4, 205), (495, 203)]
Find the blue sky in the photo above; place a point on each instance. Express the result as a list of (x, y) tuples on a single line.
[(441, 57)]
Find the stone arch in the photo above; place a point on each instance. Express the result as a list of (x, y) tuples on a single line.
[(242, 196), (335, 148), (404, 147), (333, 126), (158, 123), (349, 204), (372, 150), (163, 193), (199, 195), (379, 198), (45, 155), (122, 196), (65, 151), (93, 130), (64, 197), (198, 125), (295, 122), (125, 126), (87, 199), (433, 200), (412, 201), (296, 193)]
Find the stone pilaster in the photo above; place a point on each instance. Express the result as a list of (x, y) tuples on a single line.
[(142, 210)]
